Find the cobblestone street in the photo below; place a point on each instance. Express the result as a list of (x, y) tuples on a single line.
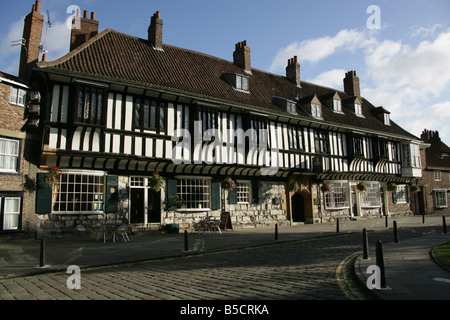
[(304, 269)]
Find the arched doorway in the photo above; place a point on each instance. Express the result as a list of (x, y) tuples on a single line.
[(298, 208)]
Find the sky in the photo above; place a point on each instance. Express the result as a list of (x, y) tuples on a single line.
[(399, 49)]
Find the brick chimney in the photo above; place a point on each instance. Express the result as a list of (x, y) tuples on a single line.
[(31, 41), (155, 31), (351, 84), (432, 137), (83, 29), (241, 56), (293, 71)]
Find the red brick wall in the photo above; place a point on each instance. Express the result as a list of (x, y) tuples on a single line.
[(11, 125), (429, 184)]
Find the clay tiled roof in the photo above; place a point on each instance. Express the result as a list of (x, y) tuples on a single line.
[(116, 57)]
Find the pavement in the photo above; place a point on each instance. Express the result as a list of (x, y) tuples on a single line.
[(411, 272)]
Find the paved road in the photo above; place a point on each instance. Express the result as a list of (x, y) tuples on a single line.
[(316, 269)]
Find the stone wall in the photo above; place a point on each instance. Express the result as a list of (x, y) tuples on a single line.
[(243, 215)]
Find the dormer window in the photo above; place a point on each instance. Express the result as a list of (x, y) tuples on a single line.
[(312, 106), (337, 105), (383, 115), (289, 105), (358, 109), (387, 120), (316, 110), (241, 82)]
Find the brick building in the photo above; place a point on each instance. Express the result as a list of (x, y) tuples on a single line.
[(17, 168), (116, 109), (434, 193)]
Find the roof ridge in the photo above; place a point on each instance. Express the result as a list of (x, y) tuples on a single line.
[(75, 51)]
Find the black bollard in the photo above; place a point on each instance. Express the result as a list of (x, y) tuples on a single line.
[(386, 221), (380, 263), (337, 225), (42, 255), (444, 225), (186, 246), (365, 245), (395, 232), (423, 218), (276, 232)]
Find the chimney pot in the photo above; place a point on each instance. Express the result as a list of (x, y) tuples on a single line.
[(242, 57), (87, 29), (351, 84), (293, 71), (32, 31), (155, 31)]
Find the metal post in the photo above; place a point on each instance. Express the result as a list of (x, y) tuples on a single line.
[(276, 232), (444, 224), (386, 221), (423, 218), (337, 225), (42, 254), (395, 232), (365, 245), (380, 262), (186, 246)]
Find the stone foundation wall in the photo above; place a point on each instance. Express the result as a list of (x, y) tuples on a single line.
[(243, 215)]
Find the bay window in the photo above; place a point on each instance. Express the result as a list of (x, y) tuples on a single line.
[(411, 166)]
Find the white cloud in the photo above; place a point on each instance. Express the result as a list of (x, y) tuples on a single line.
[(13, 34), (424, 31), (58, 40), (333, 78), (318, 49), (409, 80)]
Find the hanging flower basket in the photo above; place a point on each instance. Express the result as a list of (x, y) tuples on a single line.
[(228, 184), (294, 186), (53, 176), (392, 186), (155, 183), (361, 186), (325, 187)]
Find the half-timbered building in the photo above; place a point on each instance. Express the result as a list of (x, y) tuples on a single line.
[(117, 109)]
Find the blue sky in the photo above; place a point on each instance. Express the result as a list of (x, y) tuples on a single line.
[(404, 65)]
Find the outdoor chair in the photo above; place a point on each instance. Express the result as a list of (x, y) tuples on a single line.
[(109, 231)]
